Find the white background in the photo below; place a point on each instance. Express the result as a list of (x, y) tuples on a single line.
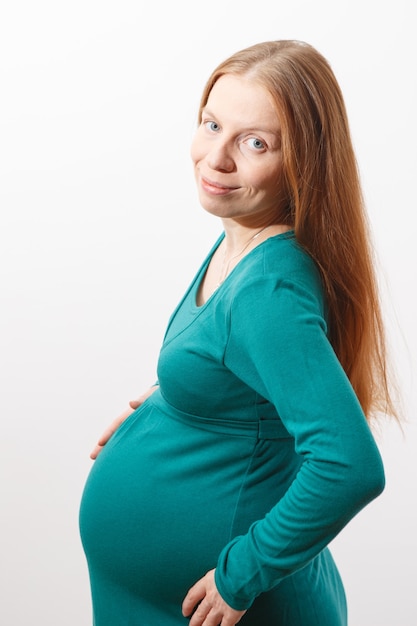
[(101, 232)]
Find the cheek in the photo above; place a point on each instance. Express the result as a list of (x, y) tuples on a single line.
[(271, 182), (196, 148), (265, 182)]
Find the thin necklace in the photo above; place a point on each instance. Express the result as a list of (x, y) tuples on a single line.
[(225, 266)]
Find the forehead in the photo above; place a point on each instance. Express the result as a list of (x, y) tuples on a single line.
[(243, 100)]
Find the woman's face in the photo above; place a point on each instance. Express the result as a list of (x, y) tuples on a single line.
[(236, 152)]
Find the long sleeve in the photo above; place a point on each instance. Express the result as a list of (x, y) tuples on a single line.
[(278, 345)]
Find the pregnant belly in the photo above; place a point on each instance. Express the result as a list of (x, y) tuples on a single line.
[(163, 499)]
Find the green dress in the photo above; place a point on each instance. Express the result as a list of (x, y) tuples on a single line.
[(249, 458)]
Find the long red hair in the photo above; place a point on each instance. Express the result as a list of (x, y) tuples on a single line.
[(324, 202)]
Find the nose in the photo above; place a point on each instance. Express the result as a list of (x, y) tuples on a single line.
[(220, 158)]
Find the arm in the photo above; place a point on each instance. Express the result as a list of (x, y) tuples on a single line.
[(133, 405), (280, 349)]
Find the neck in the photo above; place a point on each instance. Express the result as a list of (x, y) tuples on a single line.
[(227, 259), (237, 236)]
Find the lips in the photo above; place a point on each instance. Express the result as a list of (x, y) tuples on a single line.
[(215, 188)]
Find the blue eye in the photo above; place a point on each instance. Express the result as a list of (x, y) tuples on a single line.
[(257, 144), (212, 126)]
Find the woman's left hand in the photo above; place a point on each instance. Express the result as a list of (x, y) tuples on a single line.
[(212, 610)]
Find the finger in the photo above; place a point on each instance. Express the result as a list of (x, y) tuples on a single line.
[(114, 426), (201, 616), (95, 452), (195, 595), (108, 433), (102, 441), (209, 617), (135, 404)]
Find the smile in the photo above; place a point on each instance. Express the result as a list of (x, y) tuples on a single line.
[(215, 189)]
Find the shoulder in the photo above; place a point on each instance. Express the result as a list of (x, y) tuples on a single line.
[(279, 264), (277, 286), (286, 258)]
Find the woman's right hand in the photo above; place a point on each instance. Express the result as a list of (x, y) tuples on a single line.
[(133, 405)]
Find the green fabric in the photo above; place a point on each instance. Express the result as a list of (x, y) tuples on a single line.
[(250, 457)]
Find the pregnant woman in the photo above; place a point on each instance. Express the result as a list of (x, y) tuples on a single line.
[(212, 500)]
